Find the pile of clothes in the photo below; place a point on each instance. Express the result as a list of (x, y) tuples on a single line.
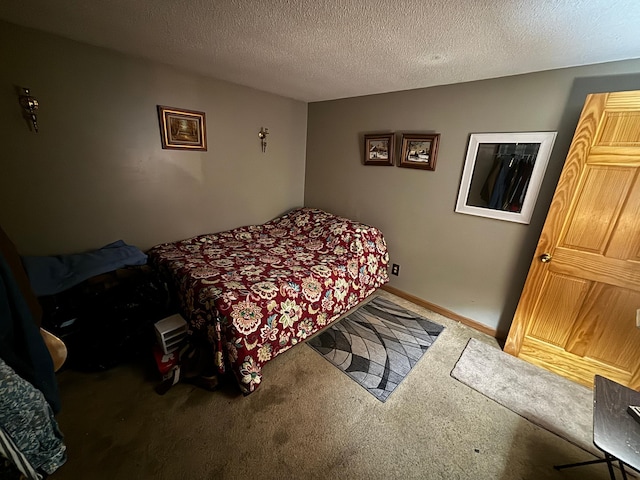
[(100, 305), (29, 397)]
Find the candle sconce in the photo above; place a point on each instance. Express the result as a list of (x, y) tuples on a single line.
[(30, 106), (262, 135)]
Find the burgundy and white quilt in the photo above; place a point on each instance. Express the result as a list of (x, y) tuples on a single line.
[(256, 291)]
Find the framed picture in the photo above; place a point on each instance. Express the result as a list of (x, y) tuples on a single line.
[(503, 173), (182, 129), (379, 148), (419, 151)]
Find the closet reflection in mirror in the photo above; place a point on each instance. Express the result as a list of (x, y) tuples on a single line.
[(503, 173)]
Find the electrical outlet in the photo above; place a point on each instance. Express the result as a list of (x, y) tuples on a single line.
[(395, 269)]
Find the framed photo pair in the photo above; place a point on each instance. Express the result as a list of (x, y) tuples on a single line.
[(418, 150)]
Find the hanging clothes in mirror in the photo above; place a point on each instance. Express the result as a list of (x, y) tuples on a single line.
[(506, 185)]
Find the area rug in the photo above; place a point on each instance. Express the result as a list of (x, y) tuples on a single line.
[(544, 398), (377, 345)]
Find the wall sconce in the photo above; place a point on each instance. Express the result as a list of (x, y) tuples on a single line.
[(262, 135), (30, 106)]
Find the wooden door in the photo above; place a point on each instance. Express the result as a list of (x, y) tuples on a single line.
[(578, 311)]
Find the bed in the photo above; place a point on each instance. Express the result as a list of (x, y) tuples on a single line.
[(256, 291)]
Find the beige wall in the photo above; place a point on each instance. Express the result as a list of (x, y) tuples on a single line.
[(96, 172), (473, 266)]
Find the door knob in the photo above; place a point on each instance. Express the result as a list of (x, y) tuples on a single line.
[(545, 258)]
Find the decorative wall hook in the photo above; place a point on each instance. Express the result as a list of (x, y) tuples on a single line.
[(262, 135), (30, 106)]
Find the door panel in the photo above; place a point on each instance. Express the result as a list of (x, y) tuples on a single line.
[(603, 318), (601, 198), (619, 129), (563, 300), (625, 243), (577, 313)]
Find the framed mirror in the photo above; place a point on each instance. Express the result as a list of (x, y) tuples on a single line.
[(503, 173)]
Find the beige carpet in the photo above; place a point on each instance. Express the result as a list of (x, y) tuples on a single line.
[(308, 420), (542, 397)]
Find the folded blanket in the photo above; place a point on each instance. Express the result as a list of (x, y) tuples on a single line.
[(51, 275)]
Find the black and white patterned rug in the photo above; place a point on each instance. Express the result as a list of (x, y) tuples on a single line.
[(377, 345)]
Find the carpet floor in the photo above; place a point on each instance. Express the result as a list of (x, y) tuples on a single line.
[(307, 420), (377, 345), (542, 397)]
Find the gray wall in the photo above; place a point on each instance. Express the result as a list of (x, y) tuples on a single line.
[(96, 172), (473, 266)]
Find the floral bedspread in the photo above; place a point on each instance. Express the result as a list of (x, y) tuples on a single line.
[(256, 291)]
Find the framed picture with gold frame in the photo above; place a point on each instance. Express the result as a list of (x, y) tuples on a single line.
[(379, 148), (182, 129)]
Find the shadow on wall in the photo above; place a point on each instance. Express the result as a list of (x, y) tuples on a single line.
[(581, 88)]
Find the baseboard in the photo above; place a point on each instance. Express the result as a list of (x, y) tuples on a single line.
[(442, 311)]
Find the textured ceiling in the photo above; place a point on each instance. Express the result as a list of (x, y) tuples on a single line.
[(315, 50)]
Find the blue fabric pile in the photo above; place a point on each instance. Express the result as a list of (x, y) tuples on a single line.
[(55, 274)]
